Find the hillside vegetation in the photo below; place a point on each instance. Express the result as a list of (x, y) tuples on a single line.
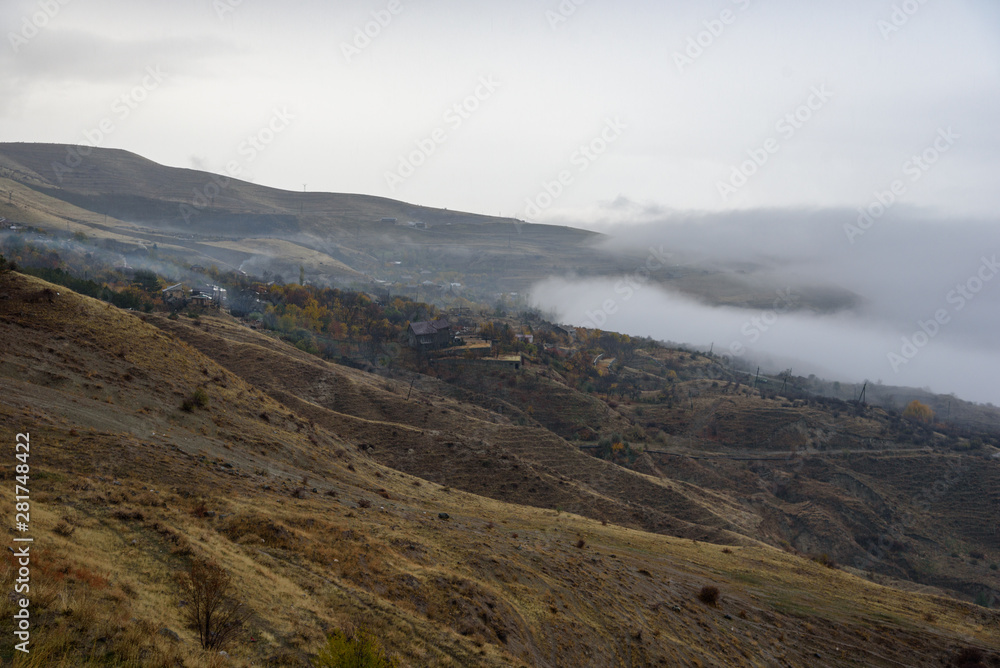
[(707, 456), (157, 442)]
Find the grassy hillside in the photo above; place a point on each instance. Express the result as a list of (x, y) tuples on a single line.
[(112, 193), (204, 219), (716, 459), (127, 487), (448, 441)]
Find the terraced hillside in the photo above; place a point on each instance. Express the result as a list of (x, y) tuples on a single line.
[(450, 442), (725, 464), (127, 487)]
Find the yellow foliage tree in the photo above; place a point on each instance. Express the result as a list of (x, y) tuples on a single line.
[(918, 412)]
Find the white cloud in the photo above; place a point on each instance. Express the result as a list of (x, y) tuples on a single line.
[(930, 282), (686, 129)]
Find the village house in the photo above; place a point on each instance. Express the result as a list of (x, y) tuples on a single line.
[(208, 296), (203, 300), (429, 334), (174, 296)]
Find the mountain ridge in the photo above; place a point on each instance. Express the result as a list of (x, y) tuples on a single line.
[(332, 238)]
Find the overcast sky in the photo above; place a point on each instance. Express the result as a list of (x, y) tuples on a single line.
[(729, 131), (671, 97)]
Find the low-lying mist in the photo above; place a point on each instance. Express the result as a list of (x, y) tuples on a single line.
[(926, 312)]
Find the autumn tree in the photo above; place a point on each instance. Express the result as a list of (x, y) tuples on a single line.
[(146, 280), (918, 412), (243, 302)]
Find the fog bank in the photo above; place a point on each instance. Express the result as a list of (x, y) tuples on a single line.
[(927, 313)]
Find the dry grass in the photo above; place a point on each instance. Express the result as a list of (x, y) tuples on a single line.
[(498, 584)]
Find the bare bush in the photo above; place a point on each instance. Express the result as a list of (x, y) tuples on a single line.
[(213, 608), (709, 596), (64, 529)]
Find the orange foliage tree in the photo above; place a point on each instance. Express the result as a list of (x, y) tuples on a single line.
[(918, 412)]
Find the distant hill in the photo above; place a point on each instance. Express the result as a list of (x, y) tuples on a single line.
[(131, 186), (198, 218), (118, 194)]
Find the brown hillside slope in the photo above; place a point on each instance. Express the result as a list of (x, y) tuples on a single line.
[(196, 217), (861, 486), (913, 514), (451, 442), (156, 188), (119, 506)]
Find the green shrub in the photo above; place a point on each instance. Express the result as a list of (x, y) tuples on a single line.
[(354, 648), (199, 399)]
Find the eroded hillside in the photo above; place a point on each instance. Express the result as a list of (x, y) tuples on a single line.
[(708, 459), (127, 487)]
